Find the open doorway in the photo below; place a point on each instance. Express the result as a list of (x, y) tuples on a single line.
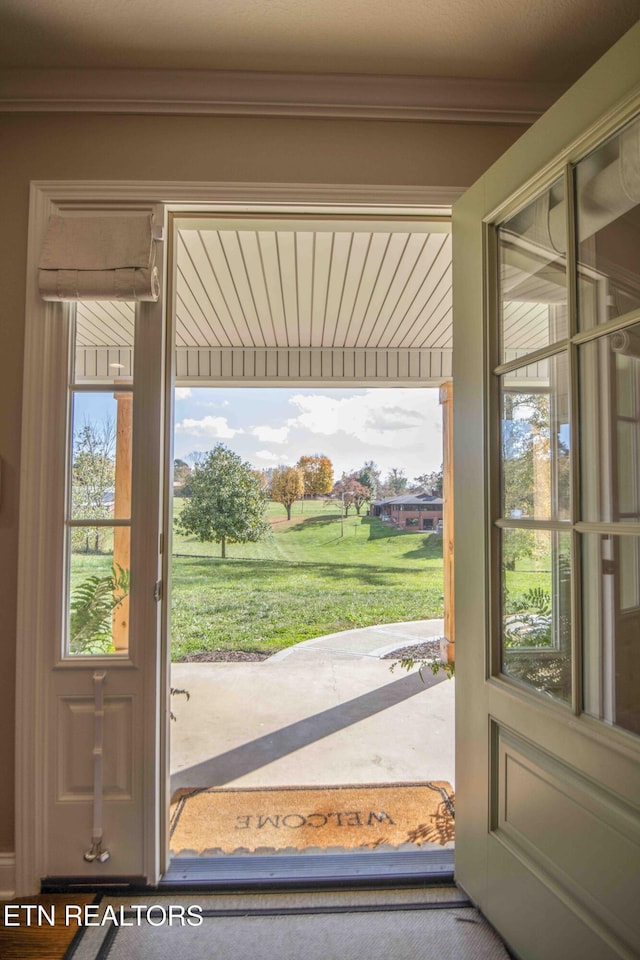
[(294, 603), (338, 328)]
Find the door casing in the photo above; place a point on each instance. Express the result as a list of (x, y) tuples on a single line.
[(41, 528)]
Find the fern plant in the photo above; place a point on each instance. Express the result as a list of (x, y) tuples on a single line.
[(435, 665), (531, 623), (91, 611)]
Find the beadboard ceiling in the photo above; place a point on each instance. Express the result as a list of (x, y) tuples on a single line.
[(303, 299), (387, 287)]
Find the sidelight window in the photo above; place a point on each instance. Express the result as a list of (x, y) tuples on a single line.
[(98, 512)]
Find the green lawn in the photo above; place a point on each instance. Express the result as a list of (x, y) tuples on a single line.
[(303, 581)]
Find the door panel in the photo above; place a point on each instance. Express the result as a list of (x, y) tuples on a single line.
[(548, 781)]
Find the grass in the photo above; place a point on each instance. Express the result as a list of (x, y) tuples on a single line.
[(303, 581)]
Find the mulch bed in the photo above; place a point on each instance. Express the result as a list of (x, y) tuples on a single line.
[(418, 651), (229, 656)]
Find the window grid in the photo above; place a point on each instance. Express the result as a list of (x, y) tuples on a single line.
[(575, 526)]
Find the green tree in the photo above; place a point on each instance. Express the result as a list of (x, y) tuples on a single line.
[(535, 465), (431, 483), (317, 474), (287, 486), (369, 476), (227, 503), (181, 479), (395, 483), (93, 479)]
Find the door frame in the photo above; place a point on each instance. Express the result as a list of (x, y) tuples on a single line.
[(40, 531)]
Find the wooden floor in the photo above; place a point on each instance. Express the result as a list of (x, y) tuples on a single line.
[(38, 942)]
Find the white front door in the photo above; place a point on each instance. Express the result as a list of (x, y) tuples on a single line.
[(546, 260), (89, 662)]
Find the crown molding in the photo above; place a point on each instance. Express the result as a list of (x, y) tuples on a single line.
[(339, 199), (213, 93)]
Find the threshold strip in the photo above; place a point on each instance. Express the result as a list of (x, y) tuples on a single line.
[(428, 866)]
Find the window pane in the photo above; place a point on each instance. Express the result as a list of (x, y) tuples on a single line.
[(610, 427), (535, 441), (533, 285), (608, 226), (104, 342), (536, 609), (611, 575), (101, 456), (98, 608)]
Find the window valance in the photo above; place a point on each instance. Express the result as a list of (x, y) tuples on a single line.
[(99, 258)]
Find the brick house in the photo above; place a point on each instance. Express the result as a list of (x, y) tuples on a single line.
[(418, 511)]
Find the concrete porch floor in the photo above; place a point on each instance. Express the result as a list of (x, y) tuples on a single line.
[(327, 711)]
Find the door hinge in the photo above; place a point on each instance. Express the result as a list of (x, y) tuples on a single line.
[(157, 591)]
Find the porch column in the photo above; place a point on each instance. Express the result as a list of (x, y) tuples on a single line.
[(122, 511), (448, 644)]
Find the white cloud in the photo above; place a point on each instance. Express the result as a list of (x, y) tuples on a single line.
[(271, 434), (271, 457), (386, 417), (211, 428), (183, 393)]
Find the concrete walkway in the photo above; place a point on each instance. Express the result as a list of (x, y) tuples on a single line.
[(327, 711), (366, 642)]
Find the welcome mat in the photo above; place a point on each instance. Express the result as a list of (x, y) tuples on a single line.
[(214, 820)]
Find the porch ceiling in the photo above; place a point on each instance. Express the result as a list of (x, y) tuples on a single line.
[(305, 300), (315, 285)]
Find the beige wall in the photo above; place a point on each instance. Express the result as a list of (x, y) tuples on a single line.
[(67, 147)]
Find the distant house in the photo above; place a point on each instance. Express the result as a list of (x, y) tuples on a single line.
[(419, 511)]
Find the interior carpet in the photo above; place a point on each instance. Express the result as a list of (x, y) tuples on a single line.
[(205, 822), (351, 925)]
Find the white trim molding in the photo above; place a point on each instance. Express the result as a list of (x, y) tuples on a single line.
[(7, 876), (339, 199), (207, 92)]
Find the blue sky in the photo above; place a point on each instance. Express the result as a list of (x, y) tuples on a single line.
[(395, 427)]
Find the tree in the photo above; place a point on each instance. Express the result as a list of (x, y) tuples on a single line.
[(287, 486), (431, 483), (352, 493), (535, 460), (181, 479), (369, 476), (227, 503), (93, 479), (317, 474), (395, 484), (264, 479)]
